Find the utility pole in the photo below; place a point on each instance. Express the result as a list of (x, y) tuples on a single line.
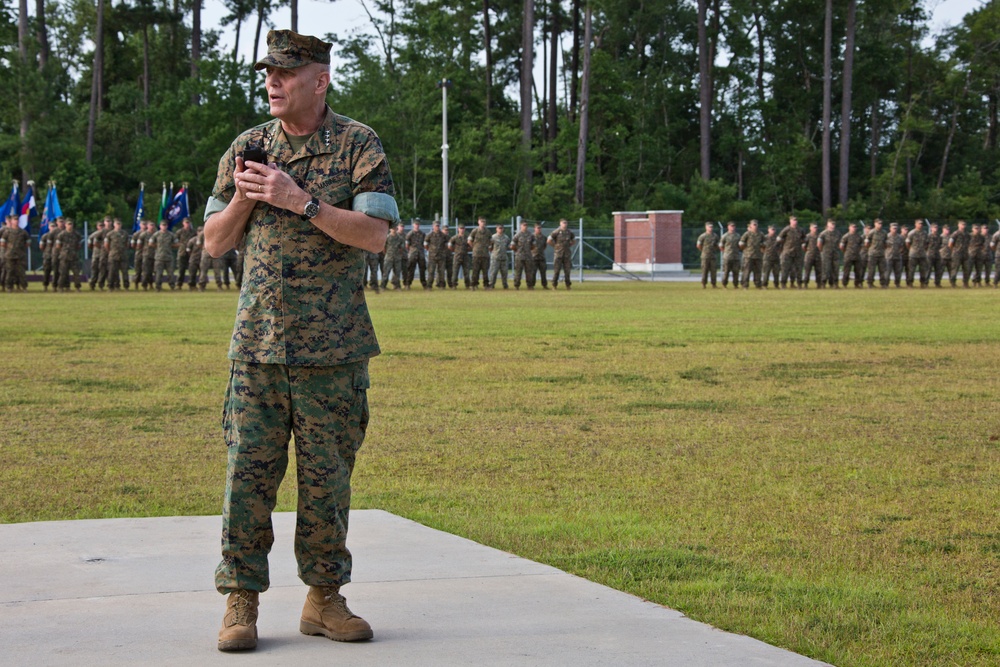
[(444, 85)]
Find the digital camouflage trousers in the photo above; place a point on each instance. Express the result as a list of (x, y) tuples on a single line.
[(326, 409)]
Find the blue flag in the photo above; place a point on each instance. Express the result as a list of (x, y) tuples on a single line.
[(177, 210), (12, 205), (27, 209), (137, 218), (51, 211)]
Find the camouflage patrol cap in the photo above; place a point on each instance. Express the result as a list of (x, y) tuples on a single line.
[(289, 50)]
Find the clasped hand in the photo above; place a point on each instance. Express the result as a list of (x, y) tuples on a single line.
[(266, 183)]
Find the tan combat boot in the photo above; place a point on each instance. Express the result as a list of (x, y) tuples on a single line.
[(326, 613), (239, 625)]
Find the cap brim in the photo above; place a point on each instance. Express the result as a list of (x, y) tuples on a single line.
[(279, 61)]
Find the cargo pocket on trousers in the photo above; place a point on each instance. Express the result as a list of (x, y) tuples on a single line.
[(361, 384), (226, 399)]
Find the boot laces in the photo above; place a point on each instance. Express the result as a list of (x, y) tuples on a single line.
[(243, 612), (333, 596)]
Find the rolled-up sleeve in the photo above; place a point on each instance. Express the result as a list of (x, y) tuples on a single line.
[(377, 205)]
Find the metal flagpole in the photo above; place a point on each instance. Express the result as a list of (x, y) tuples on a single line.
[(444, 85)]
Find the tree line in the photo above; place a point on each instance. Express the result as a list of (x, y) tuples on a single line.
[(727, 109)]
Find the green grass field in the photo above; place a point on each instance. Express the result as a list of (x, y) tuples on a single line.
[(818, 470)]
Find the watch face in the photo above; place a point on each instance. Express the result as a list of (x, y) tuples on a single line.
[(312, 209)]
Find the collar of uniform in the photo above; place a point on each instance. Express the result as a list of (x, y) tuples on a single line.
[(321, 142)]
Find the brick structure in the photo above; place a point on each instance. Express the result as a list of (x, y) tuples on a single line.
[(648, 240)]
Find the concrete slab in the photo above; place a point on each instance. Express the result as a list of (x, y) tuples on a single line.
[(140, 591)]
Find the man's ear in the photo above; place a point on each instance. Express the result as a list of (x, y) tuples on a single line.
[(323, 82)]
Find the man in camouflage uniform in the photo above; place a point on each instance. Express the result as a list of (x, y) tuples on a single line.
[(946, 250), (811, 261), (752, 245), (95, 244), (894, 244), (772, 257), (395, 250), (68, 250), (415, 257), (195, 246), (851, 245), (116, 256), (959, 245), (302, 337), (499, 244), (935, 265), (916, 241), (149, 256), (449, 256), (562, 241), (995, 247), (904, 232), (479, 243), (875, 242), (435, 243), (791, 239), (182, 236), (209, 262), (47, 244), (371, 270), (14, 247), (228, 266), (538, 259), (986, 254), (976, 241), (138, 243), (729, 244), (865, 231), (459, 245), (708, 245), (523, 245), (827, 243), (163, 243)]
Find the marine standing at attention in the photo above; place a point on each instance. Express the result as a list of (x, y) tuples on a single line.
[(459, 245), (752, 245), (499, 244), (437, 269), (708, 243), (318, 195), (523, 246), (479, 243), (851, 244), (916, 241), (827, 243), (791, 240), (729, 244), (812, 263), (562, 241)]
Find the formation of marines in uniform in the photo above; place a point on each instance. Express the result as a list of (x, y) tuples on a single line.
[(793, 256), (158, 255), (439, 259)]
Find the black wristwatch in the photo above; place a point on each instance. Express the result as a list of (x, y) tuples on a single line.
[(312, 209)]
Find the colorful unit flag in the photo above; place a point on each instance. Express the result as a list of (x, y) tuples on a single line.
[(164, 202), (12, 205), (27, 210), (137, 218), (51, 211), (178, 208)]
